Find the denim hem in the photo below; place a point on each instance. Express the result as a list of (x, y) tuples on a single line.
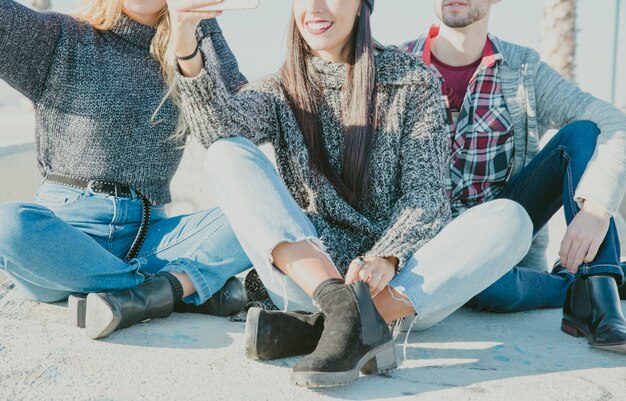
[(615, 270), (201, 285), (140, 276)]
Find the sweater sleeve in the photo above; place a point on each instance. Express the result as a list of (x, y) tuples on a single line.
[(28, 43), (560, 102), (214, 47), (423, 208), (213, 112)]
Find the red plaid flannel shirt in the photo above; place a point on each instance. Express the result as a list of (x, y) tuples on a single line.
[(481, 139)]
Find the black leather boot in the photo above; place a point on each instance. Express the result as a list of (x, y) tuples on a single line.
[(593, 310), (115, 310), (355, 338), (275, 334), (231, 299)]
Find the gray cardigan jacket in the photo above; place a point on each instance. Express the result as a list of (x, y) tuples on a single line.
[(540, 99), (407, 204)]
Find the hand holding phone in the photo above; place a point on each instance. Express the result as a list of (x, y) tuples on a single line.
[(230, 5)]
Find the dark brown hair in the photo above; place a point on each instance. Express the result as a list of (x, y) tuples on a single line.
[(304, 92)]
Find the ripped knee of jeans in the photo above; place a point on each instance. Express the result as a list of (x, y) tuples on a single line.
[(279, 276)]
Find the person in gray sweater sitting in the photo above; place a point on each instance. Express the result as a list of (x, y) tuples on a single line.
[(358, 206), (499, 99), (98, 224)]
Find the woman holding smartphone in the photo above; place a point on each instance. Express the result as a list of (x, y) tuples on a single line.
[(358, 203), (104, 144)]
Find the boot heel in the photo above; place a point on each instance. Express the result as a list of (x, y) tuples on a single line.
[(383, 362), (76, 310), (570, 329)]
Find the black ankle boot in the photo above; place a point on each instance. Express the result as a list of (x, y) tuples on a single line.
[(355, 338), (592, 309), (231, 299), (114, 310), (275, 334)]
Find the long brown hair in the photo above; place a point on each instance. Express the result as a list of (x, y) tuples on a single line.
[(304, 92)]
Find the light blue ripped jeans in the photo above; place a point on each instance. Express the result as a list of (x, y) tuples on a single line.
[(74, 241), (469, 255)]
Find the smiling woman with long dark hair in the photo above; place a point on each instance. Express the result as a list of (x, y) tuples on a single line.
[(359, 197)]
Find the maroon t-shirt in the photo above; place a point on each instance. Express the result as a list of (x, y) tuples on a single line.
[(456, 80)]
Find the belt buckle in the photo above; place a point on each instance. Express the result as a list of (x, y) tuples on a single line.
[(99, 187), (90, 188)]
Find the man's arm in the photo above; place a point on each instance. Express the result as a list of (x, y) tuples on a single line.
[(560, 102)]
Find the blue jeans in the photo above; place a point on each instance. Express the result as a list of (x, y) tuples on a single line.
[(263, 214), (74, 241), (548, 182)]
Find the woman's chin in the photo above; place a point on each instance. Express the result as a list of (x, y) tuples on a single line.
[(318, 46), (144, 8)]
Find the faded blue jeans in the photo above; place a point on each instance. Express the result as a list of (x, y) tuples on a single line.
[(548, 182), (468, 256), (74, 241)]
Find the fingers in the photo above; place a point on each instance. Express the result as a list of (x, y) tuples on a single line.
[(186, 5), (202, 15), (593, 251), (579, 255), (376, 272), (382, 284), (566, 244), (364, 274), (374, 281), (353, 272)]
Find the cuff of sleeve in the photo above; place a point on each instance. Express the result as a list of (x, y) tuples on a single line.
[(193, 87), (194, 94), (391, 253), (580, 198)]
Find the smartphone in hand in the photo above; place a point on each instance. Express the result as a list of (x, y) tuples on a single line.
[(231, 5)]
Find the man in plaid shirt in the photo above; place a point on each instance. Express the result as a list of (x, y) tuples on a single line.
[(499, 99), (481, 148)]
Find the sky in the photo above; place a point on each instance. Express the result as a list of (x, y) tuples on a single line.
[(258, 37)]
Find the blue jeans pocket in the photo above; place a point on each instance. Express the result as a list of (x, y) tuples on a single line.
[(58, 195)]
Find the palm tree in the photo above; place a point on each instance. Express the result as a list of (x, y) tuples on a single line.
[(558, 44)]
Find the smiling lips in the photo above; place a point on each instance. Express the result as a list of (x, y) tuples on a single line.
[(455, 4), (318, 27)]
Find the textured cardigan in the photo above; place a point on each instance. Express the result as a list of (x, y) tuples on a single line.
[(408, 203), (540, 99), (95, 93)]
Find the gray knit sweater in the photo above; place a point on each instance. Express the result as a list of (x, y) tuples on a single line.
[(94, 94), (408, 204)]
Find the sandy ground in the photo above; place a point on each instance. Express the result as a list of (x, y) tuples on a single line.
[(470, 356)]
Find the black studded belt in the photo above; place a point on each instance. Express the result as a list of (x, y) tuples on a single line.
[(110, 188)]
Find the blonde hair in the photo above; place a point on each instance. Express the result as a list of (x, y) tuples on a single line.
[(104, 14)]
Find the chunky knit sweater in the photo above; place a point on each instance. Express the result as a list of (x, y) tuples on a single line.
[(408, 204), (95, 93)]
